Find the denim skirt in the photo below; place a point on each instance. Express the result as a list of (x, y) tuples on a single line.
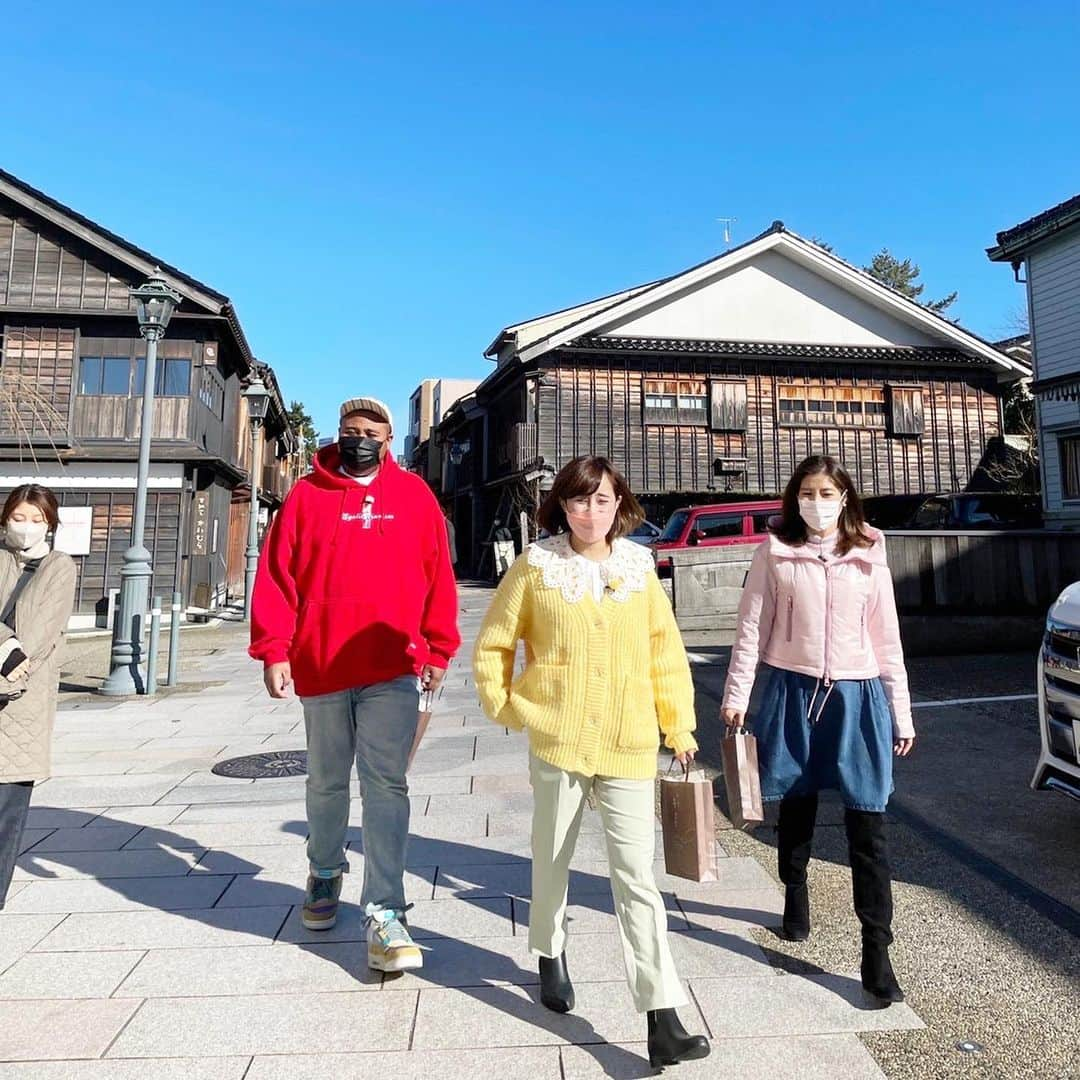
[(814, 738)]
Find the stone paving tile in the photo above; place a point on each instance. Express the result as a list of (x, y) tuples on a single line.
[(222, 835), (284, 791), (268, 1024), (513, 1016), (71, 866), (501, 785), (289, 810), (809, 1057), (136, 815), (120, 894), (200, 928), (451, 827), (738, 873), (49, 817), (110, 838), (76, 791), (493, 803), (735, 910), (66, 975), (519, 1063), (514, 880), (230, 1068), (20, 933), (794, 1005), (30, 837), (103, 766), (594, 914), (457, 919), (247, 970), (55, 1030), (263, 890)]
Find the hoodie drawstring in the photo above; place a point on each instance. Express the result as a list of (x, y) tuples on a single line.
[(811, 718)]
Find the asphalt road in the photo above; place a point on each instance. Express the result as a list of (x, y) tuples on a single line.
[(986, 886)]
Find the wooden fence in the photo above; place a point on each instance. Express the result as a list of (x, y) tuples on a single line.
[(947, 586)]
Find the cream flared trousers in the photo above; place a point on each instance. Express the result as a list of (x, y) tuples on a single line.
[(627, 810)]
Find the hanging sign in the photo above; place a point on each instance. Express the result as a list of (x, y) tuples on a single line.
[(200, 523)]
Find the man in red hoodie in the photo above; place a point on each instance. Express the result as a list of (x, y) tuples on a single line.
[(354, 600)]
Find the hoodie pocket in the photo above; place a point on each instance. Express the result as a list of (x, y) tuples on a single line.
[(862, 623), (790, 619)]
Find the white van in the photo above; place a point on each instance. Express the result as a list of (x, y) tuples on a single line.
[(1058, 683)]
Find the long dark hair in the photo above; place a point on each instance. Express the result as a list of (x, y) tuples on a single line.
[(36, 495), (583, 476), (851, 528)]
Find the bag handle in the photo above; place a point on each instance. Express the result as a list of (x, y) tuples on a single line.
[(686, 768), (8, 614)]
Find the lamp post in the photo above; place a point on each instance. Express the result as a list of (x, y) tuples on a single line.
[(258, 400), (154, 304)]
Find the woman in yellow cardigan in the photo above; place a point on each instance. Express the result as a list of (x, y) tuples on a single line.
[(605, 673)]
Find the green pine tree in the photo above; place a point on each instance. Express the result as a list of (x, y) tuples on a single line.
[(903, 277)]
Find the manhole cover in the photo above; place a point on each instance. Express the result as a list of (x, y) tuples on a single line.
[(262, 766)]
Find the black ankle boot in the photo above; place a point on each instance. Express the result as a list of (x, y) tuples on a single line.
[(556, 990), (669, 1042), (796, 924), (878, 978)]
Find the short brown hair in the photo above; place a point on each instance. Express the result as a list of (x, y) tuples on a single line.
[(35, 495), (583, 476), (851, 528)]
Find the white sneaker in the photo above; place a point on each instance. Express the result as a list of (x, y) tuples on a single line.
[(390, 946)]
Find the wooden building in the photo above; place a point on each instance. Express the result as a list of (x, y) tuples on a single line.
[(714, 383), (1047, 249), (71, 378)]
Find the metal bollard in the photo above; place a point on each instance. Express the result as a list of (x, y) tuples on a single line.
[(155, 642), (174, 640)]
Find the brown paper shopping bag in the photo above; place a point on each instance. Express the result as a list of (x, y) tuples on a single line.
[(738, 754), (686, 813), (427, 699)]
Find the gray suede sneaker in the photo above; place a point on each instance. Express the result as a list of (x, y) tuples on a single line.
[(321, 902)]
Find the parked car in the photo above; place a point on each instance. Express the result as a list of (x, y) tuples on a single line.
[(966, 510), (645, 533), (714, 525), (1058, 682)]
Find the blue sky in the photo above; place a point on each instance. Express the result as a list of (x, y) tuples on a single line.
[(380, 188)]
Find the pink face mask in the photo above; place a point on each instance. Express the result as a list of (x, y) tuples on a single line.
[(591, 526)]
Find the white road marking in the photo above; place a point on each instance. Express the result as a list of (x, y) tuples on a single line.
[(971, 701)]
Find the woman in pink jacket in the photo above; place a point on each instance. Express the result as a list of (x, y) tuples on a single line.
[(818, 628)]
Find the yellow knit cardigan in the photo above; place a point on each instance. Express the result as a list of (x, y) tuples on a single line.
[(599, 679)]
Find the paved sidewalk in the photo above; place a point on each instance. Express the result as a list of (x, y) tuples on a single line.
[(152, 929)]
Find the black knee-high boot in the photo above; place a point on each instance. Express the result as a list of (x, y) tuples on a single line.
[(795, 836), (871, 886)]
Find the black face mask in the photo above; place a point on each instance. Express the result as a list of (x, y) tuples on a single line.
[(359, 453)]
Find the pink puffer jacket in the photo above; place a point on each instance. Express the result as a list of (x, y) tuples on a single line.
[(833, 619)]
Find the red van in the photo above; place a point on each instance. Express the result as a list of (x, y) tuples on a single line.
[(714, 525)]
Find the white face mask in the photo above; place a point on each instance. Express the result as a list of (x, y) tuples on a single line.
[(821, 515), (22, 535)]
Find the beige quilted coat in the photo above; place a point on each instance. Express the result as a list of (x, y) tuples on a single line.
[(41, 618)]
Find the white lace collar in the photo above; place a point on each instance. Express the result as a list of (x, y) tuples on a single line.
[(624, 572)]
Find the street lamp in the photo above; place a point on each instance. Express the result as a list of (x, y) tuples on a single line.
[(154, 304), (258, 401)]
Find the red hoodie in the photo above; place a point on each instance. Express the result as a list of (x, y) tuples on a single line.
[(354, 594)]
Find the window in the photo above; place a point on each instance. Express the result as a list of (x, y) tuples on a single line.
[(906, 411), (675, 401), (761, 521), (172, 378), (715, 526), (1069, 449), (674, 527), (120, 376), (809, 405), (728, 405)]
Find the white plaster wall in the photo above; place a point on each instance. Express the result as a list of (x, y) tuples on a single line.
[(772, 298)]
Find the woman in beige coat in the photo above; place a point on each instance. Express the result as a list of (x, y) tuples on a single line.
[(37, 593)]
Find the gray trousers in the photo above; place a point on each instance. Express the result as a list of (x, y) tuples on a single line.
[(14, 808), (375, 726)]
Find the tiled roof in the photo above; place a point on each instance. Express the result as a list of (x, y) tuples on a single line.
[(768, 349), (1012, 241)]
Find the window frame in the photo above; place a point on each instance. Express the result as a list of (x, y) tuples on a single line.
[(1069, 466), (681, 400), (900, 391), (810, 396)]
